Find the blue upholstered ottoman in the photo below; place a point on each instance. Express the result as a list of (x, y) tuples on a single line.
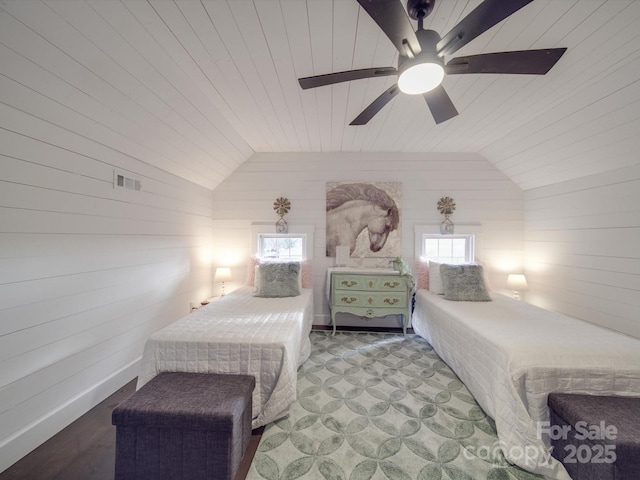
[(596, 437), (184, 426)]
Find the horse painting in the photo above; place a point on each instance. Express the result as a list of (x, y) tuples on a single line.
[(354, 207)]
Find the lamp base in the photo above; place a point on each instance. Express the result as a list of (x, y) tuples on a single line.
[(516, 295)]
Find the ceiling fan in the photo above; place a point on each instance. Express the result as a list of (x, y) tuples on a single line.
[(421, 66)]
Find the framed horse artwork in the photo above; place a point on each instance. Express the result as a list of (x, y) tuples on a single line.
[(364, 216)]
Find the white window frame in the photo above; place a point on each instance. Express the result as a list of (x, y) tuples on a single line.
[(261, 230), (471, 232)]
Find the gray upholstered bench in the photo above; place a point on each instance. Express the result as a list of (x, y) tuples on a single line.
[(596, 437), (184, 426)]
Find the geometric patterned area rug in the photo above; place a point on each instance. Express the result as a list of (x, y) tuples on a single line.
[(373, 406)]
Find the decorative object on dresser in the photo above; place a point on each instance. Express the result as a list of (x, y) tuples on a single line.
[(369, 292), (446, 206), (518, 283), (372, 209), (282, 206), (223, 274), (401, 266), (342, 255)]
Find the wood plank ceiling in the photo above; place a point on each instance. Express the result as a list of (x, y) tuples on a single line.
[(196, 87)]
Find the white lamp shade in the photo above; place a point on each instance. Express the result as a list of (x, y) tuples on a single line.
[(420, 78), (223, 274), (517, 281)]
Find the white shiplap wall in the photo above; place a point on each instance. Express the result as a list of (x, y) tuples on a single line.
[(581, 248), (87, 272), (115, 74), (483, 195)]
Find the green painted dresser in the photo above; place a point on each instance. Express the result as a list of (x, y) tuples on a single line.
[(369, 293)]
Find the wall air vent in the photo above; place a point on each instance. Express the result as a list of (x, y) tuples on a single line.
[(123, 181)]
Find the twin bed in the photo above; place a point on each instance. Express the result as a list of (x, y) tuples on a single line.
[(240, 333), (511, 355)]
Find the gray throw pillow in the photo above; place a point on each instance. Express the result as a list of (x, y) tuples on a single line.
[(464, 283), (278, 280)]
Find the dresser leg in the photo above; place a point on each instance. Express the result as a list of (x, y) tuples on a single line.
[(333, 322)]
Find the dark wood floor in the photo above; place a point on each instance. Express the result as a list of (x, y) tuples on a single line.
[(85, 450)]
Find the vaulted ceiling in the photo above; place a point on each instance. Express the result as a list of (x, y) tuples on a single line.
[(196, 87)]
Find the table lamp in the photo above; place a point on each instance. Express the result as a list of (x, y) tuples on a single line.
[(518, 283), (223, 274)]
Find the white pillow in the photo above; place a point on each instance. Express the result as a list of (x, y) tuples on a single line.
[(435, 281)]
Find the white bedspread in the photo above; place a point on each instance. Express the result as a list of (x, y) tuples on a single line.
[(239, 333), (511, 355)]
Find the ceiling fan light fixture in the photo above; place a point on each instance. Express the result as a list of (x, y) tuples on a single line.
[(420, 78), (420, 68), (425, 71)]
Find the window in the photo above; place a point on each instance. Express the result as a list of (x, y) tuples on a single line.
[(282, 246), (297, 244), (448, 248), (458, 248)]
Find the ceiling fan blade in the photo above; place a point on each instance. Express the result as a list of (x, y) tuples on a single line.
[(368, 113), (481, 19), (440, 104), (392, 19), (527, 62), (331, 78)]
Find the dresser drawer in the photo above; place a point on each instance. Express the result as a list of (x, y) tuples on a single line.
[(347, 298), (380, 283)]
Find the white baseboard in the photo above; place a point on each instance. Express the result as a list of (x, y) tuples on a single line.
[(35, 434)]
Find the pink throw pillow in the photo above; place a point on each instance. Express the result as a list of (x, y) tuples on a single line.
[(251, 273), (307, 280), (422, 267)]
